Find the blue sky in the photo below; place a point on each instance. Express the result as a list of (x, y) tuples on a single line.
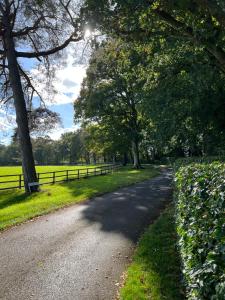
[(67, 85)]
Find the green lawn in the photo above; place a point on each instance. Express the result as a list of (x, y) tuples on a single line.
[(16, 206), (43, 178), (155, 271), (18, 169)]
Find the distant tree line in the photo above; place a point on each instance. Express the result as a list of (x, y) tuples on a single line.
[(84, 146)]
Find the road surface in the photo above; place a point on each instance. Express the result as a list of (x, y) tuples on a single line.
[(80, 252)]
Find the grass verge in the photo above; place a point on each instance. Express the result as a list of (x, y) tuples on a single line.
[(17, 207), (155, 271)]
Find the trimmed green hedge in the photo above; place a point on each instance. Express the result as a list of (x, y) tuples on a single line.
[(200, 214), (197, 160)]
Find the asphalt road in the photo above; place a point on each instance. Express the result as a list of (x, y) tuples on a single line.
[(80, 252)]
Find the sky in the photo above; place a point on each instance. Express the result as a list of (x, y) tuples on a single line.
[(67, 84)]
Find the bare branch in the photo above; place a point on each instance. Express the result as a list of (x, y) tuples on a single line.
[(30, 85), (48, 52), (28, 29)]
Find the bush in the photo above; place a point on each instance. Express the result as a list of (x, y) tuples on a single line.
[(200, 203), (197, 159)]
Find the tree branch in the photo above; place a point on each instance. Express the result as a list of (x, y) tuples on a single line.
[(48, 52), (30, 85), (215, 50), (27, 29)]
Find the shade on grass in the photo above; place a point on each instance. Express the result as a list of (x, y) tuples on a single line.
[(16, 206)]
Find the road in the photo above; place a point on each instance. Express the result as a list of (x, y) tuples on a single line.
[(79, 252)]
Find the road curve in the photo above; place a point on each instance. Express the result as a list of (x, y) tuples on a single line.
[(80, 252)]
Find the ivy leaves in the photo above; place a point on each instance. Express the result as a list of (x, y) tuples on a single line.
[(200, 202)]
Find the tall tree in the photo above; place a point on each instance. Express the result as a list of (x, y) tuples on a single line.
[(35, 29), (112, 92)]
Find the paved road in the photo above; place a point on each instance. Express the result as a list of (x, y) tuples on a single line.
[(80, 252)]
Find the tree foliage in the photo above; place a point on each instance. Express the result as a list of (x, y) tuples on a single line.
[(200, 22), (112, 93)]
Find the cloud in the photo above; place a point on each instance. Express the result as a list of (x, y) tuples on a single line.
[(56, 133), (7, 121), (67, 81), (66, 84)]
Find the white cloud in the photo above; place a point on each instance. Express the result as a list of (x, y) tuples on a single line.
[(56, 133), (7, 121), (68, 78)]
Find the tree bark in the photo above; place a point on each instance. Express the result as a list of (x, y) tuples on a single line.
[(21, 111), (135, 153), (125, 159)]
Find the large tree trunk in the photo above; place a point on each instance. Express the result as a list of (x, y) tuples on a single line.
[(21, 111), (135, 152), (125, 159)]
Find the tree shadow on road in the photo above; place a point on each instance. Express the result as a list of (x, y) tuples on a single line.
[(129, 210)]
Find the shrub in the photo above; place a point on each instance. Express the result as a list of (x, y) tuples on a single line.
[(200, 203), (197, 160)]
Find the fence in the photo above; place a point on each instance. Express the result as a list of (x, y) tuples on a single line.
[(17, 182)]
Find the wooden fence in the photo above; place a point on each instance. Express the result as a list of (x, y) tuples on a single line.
[(17, 182)]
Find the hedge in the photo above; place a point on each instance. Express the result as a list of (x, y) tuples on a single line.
[(200, 217), (197, 160)]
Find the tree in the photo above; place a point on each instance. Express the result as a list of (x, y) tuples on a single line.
[(106, 141), (200, 21), (51, 25), (184, 100), (112, 92)]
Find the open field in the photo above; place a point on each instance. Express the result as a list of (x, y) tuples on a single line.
[(18, 169), (16, 206), (43, 178)]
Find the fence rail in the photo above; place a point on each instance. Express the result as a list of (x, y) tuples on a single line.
[(7, 182)]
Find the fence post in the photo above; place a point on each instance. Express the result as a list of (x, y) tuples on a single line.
[(87, 172), (20, 181), (53, 178), (95, 171), (67, 175), (78, 174)]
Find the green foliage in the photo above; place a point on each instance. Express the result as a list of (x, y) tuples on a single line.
[(112, 93), (105, 140), (200, 208), (201, 22), (179, 64), (184, 99), (155, 271), (180, 162)]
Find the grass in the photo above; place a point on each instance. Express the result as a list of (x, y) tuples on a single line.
[(17, 170), (16, 206), (155, 271)]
